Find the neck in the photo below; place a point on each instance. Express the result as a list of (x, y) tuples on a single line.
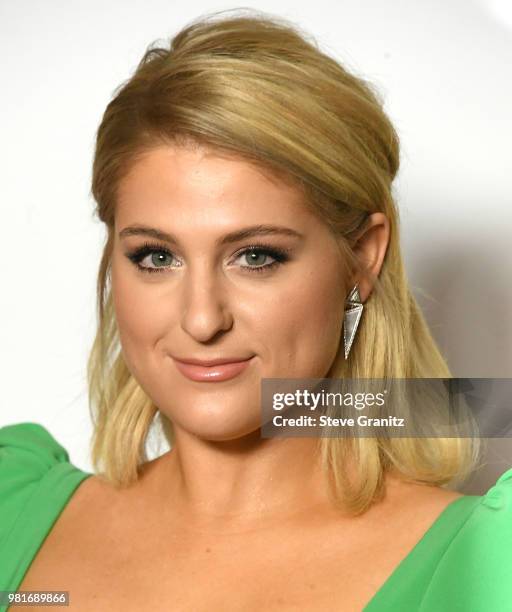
[(245, 483)]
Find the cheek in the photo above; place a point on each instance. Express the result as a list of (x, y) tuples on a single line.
[(305, 325), (138, 314)]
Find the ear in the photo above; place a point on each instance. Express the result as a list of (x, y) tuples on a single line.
[(370, 249)]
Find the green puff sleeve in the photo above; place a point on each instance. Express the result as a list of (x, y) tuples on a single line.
[(36, 481), (475, 572)]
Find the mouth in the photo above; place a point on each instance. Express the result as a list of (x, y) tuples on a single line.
[(212, 373)]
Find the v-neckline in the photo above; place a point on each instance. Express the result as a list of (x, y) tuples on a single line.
[(378, 601)]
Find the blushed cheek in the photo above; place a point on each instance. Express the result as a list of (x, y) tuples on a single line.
[(307, 331)]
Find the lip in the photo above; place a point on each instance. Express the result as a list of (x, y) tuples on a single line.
[(219, 369), (210, 362)]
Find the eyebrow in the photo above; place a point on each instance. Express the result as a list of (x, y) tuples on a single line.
[(241, 234)]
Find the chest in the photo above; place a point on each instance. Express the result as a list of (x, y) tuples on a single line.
[(279, 572), (121, 557)]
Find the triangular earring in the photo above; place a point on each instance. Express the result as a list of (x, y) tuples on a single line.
[(353, 312)]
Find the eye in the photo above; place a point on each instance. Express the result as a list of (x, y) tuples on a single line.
[(158, 259), (256, 256)]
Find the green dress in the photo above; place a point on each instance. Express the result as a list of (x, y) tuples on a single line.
[(462, 563)]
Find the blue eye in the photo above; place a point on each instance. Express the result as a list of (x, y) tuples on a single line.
[(161, 255)]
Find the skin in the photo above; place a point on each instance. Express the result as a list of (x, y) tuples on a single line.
[(227, 521), (207, 303)]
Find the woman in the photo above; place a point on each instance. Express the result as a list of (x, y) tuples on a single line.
[(245, 180)]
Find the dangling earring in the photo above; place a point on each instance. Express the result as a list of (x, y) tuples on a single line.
[(353, 312)]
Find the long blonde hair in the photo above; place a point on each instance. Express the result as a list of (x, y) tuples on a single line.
[(257, 87)]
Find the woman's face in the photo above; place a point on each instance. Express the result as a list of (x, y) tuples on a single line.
[(202, 293)]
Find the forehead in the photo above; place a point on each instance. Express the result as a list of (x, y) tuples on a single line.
[(198, 185)]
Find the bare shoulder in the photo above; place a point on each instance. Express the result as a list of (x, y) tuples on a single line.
[(89, 525), (98, 501), (419, 504), (90, 503)]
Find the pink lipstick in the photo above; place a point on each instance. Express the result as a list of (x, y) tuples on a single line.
[(212, 373)]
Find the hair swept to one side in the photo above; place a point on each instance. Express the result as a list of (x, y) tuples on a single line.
[(257, 87)]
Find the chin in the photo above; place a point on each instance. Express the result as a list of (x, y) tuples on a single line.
[(219, 417), (220, 431)]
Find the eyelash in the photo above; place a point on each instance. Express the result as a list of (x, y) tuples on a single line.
[(279, 255)]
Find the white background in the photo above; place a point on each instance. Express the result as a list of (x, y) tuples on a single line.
[(444, 68)]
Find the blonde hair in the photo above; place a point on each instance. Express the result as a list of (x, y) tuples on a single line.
[(256, 87)]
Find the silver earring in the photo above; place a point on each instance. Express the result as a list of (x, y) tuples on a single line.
[(353, 312)]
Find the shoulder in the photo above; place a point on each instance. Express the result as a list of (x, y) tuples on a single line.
[(36, 481), (28, 452), (489, 526), (475, 571), (488, 529), (31, 460), (29, 444)]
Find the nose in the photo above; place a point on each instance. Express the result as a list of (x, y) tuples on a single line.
[(206, 310)]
